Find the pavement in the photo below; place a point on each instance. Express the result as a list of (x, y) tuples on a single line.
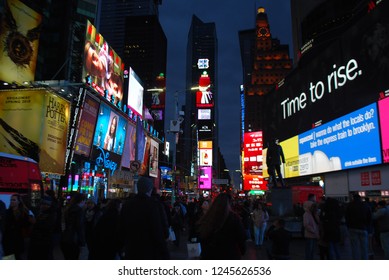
[(297, 246)]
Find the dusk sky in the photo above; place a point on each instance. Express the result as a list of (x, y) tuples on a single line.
[(230, 17)]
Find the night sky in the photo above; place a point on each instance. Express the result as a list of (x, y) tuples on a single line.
[(230, 17)]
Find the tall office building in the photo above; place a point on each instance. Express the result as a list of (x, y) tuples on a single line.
[(145, 51), (62, 38), (111, 21), (265, 62), (201, 112)]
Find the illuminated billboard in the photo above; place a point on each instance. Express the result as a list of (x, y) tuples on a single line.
[(153, 165), (86, 126), (253, 145), (103, 67), (253, 182), (135, 93), (19, 37), (110, 133), (129, 146), (332, 81), (383, 106), (204, 96), (337, 145), (204, 114), (205, 153), (34, 123), (205, 178)]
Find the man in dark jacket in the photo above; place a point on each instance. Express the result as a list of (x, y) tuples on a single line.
[(358, 219), (274, 157), (142, 226)]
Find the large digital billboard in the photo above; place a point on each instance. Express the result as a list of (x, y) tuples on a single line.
[(110, 133), (383, 106), (347, 142), (204, 96), (332, 81), (253, 145), (205, 177), (86, 126), (35, 123), (135, 93), (129, 146), (103, 66), (19, 37)]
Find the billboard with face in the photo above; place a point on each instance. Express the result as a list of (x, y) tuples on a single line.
[(110, 133), (103, 66)]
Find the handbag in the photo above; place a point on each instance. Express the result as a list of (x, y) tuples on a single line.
[(172, 235), (194, 250)]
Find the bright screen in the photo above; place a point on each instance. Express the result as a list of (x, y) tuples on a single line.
[(135, 93), (110, 133)]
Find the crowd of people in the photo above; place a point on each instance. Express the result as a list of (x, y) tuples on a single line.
[(139, 226)]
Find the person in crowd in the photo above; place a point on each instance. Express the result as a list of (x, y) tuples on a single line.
[(382, 218), (73, 236), (259, 217), (18, 224), (110, 137), (202, 208), (221, 231), (330, 218), (106, 232), (245, 214), (92, 215), (141, 226), (274, 158), (41, 243), (358, 219), (280, 241), (165, 212), (311, 229), (177, 222)]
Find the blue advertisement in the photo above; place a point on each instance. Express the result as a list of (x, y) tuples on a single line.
[(347, 142), (110, 131)]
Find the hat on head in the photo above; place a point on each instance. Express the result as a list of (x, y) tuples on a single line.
[(145, 185), (47, 200)]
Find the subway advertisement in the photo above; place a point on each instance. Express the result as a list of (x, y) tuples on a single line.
[(347, 142), (34, 123), (331, 82)]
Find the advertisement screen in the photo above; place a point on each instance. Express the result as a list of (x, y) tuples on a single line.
[(253, 182), (336, 145), (204, 114), (135, 93), (35, 123), (205, 178), (19, 37), (383, 106), (332, 81), (110, 133), (205, 153), (154, 151), (253, 145), (103, 66), (129, 146), (86, 126), (204, 96)]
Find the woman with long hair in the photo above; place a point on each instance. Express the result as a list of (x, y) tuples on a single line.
[(110, 138), (221, 231)]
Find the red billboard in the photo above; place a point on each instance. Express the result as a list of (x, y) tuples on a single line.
[(204, 96), (253, 160)]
